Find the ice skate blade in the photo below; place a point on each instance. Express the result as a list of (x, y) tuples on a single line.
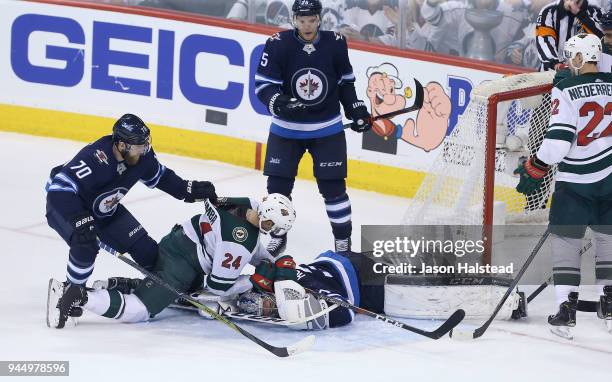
[(563, 332), (53, 294)]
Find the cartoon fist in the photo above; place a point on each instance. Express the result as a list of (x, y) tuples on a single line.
[(432, 120)]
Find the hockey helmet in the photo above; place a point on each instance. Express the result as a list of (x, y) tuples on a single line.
[(588, 45), (306, 8), (278, 209), (131, 130)]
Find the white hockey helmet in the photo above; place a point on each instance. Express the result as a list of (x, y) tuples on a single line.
[(588, 45), (279, 209)]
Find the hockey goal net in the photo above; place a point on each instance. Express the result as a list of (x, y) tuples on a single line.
[(471, 182)]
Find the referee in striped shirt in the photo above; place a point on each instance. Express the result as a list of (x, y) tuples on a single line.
[(558, 22)]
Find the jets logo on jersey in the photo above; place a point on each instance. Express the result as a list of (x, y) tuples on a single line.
[(106, 204), (310, 85), (240, 234)]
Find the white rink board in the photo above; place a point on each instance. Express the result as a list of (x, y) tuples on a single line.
[(176, 85)]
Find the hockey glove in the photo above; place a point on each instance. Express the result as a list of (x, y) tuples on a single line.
[(285, 107), (360, 116), (85, 233), (263, 278), (285, 268), (532, 172), (197, 191)]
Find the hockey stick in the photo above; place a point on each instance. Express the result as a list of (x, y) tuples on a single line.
[(462, 334), (447, 326), (418, 103), (536, 292), (290, 350), (259, 319)]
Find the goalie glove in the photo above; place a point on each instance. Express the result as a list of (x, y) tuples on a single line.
[(531, 172)]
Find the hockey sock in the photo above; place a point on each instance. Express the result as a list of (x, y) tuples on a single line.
[(566, 265), (339, 214), (107, 303), (280, 185), (603, 259), (80, 265)]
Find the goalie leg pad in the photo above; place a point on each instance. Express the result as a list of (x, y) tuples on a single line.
[(426, 298)]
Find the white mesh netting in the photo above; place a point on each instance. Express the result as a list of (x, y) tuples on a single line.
[(453, 190)]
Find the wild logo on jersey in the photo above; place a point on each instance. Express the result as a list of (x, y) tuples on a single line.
[(309, 85)]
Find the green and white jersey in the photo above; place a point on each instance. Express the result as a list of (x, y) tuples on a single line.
[(225, 244), (579, 135)]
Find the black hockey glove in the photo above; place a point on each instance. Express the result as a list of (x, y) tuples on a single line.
[(197, 191), (85, 232), (285, 107), (360, 116)]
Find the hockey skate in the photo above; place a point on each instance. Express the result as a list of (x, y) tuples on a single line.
[(604, 308), (565, 318), (64, 301)]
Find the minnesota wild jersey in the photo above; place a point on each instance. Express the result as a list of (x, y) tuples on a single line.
[(579, 135), (225, 242)]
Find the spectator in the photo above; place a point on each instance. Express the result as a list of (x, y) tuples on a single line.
[(523, 50), (366, 20), (448, 27)]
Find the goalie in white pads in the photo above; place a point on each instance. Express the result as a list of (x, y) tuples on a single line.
[(209, 250), (579, 139)]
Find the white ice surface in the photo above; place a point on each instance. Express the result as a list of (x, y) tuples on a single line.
[(181, 346)]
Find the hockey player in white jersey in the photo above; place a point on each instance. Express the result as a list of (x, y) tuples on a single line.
[(208, 251), (579, 140)]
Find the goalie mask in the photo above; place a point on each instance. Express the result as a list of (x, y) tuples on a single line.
[(589, 47), (278, 209)]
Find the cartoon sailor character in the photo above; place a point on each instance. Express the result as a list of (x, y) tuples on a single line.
[(386, 95)]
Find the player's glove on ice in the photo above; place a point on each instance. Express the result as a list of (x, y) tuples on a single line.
[(285, 268), (197, 191), (85, 233), (360, 116), (263, 278), (532, 172), (286, 107)]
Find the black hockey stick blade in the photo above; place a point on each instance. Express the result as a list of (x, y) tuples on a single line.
[(447, 326), (284, 351), (417, 105)]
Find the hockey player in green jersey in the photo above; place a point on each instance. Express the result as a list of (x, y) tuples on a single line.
[(579, 140), (206, 252)]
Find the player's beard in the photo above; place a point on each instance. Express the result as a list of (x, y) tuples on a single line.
[(132, 160)]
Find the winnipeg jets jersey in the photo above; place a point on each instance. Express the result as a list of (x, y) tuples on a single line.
[(315, 73), (579, 135), (99, 181), (225, 244), (333, 275)]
